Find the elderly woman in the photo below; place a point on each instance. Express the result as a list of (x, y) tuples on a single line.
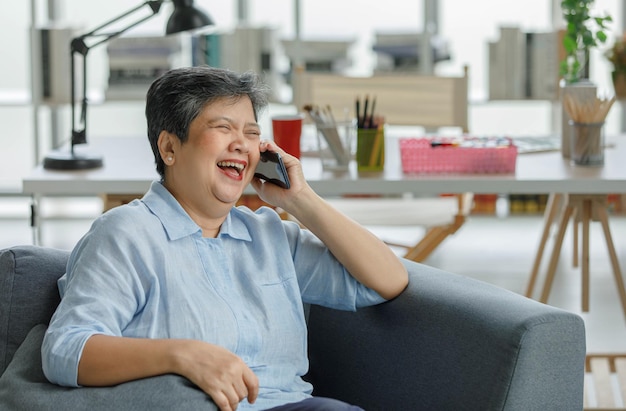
[(184, 282)]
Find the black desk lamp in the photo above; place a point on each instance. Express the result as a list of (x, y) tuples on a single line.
[(184, 17)]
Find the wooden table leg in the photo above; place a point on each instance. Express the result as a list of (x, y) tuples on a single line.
[(548, 218), (602, 214), (586, 217), (586, 208), (554, 259), (575, 238)]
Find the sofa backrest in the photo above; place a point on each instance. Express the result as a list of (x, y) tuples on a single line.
[(28, 293)]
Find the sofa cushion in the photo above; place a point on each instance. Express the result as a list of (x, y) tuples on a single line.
[(28, 293), (23, 386)]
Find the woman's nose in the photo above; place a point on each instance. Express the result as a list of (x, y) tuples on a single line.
[(240, 142)]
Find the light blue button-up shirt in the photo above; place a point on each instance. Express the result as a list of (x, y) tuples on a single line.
[(144, 270)]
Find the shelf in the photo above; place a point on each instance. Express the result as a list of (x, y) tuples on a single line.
[(14, 98)]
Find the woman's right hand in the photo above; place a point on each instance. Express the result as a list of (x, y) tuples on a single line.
[(110, 360), (218, 372)]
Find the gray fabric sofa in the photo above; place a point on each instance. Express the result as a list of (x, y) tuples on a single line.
[(447, 343)]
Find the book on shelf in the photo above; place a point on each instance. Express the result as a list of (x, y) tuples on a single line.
[(139, 47), (135, 62), (51, 63), (131, 83), (129, 92), (245, 48), (484, 203), (513, 44), (616, 203), (527, 203), (140, 62), (543, 65), (208, 50), (507, 69), (496, 73), (525, 65)]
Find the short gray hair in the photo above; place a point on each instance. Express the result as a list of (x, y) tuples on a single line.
[(177, 97)]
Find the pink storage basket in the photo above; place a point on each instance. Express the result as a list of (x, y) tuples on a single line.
[(419, 156)]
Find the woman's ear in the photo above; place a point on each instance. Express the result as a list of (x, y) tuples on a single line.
[(168, 145)]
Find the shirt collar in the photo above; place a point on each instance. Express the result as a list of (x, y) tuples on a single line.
[(178, 224)]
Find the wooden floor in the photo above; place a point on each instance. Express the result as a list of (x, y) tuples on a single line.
[(491, 249), (605, 382)]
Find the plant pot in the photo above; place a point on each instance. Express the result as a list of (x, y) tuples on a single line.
[(619, 84)]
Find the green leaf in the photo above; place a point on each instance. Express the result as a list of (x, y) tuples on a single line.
[(569, 44)]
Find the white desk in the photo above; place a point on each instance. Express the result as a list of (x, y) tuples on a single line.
[(129, 169)]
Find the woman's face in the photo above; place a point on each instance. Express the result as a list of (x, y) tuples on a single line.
[(218, 160)]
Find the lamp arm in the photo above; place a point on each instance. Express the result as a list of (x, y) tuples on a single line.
[(78, 47), (78, 44)]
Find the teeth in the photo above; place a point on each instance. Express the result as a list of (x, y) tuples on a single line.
[(238, 166)]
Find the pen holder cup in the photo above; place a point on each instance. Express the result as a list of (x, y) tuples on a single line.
[(587, 143), (370, 149), (335, 145)]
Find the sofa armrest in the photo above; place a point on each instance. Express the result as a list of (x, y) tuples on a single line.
[(449, 342)]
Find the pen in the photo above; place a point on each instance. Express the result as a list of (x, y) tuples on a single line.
[(358, 112), (371, 122), (365, 111), (443, 144)]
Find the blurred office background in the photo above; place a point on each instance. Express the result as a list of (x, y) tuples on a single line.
[(466, 28)]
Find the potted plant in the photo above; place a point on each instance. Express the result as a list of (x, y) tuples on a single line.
[(582, 33), (617, 56)]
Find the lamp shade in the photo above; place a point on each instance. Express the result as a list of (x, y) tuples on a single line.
[(186, 17)]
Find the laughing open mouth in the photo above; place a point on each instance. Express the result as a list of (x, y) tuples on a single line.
[(231, 166)]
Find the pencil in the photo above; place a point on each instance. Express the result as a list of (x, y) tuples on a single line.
[(377, 147)]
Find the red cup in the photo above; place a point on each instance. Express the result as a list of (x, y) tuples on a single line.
[(287, 130)]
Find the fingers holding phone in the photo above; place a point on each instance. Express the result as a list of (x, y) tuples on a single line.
[(271, 168), (269, 184)]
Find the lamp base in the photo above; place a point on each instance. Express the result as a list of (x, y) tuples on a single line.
[(71, 161)]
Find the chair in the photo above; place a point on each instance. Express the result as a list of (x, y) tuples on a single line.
[(446, 343), (441, 216), (404, 99)]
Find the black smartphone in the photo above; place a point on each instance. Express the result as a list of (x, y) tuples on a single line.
[(272, 169)]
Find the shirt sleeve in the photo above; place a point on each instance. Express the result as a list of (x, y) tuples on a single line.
[(100, 293), (322, 278)]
